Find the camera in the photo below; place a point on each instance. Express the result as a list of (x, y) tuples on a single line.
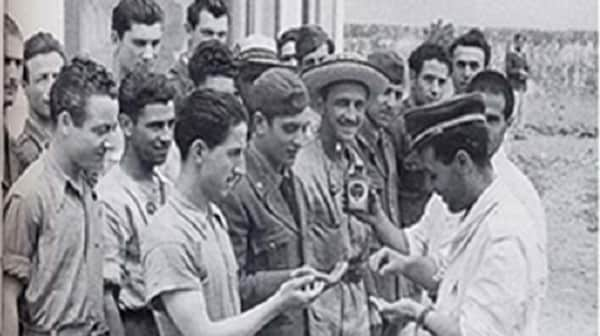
[(357, 189)]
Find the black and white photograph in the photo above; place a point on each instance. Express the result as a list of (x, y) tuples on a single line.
[(299, 168)]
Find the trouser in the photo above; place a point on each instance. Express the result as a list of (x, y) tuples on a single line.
[(139, 322)]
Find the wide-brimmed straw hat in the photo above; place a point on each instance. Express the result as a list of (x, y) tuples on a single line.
[(344, 67)]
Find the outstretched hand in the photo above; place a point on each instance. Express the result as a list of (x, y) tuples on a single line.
[(387, 261), (406, 309)]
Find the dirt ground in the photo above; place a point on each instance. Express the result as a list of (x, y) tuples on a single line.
[(560, 155)]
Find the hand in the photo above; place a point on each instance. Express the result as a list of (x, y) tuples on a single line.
[(402, 309), (298, 292), (376, 216), (387, 261), (329, 279)]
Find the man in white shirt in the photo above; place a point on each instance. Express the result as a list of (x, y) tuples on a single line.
[(490, 280), (436, 225)]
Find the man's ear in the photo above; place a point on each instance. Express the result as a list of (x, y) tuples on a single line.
[(198, 151), (64, 122), (126, 124), (260, 123), (463, 160)]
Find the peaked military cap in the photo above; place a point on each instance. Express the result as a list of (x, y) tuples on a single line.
[(426, 121)]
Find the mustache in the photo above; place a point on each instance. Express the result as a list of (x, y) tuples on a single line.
[(349, 122)]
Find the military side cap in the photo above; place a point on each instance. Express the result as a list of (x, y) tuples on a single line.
[(280, 91), (390, 63), (424, 122)]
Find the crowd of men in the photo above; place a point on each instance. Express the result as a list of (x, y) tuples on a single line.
[(280, 187)]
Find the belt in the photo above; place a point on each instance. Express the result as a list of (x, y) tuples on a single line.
[(71, 329)]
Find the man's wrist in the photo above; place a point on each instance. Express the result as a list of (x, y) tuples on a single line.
[(422, 315)]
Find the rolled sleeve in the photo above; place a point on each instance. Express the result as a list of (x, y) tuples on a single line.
[(171, 267), (115, 238), (21, 224), (495, 302)]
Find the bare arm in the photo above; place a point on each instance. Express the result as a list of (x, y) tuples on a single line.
[(188, 311), (416, 268), (11, 289)]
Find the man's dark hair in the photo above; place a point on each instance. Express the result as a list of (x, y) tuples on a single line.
[(290, 35), (473, 38), (40, 44), (209, 115), (11, 28), (129, 12), (494, 82), (217, 8), (141, 88), (75, 84), (425, 52), (310, 37), (211, 58), (471, 137)]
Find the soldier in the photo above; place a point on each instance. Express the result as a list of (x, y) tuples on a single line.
[(268, 211), (190, 270), (52, 224), (342, 87), (377, 144), (44, 56), (131, 192)]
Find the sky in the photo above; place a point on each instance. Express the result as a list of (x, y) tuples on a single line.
[(540, 14)]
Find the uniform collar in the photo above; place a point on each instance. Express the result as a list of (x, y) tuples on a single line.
[(37, 131), (260, 172)]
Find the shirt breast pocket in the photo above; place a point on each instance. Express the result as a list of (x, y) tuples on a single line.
[(275, 251)]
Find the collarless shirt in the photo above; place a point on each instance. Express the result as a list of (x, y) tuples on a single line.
[(185, 248), (128, 208)]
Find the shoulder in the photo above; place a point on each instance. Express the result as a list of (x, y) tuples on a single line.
[(510, 218), (26, 148)]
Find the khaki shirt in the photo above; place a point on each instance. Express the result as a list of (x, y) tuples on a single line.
[(334, 236), (187, 249), (30, 144), (53, 245), (128, 209)]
